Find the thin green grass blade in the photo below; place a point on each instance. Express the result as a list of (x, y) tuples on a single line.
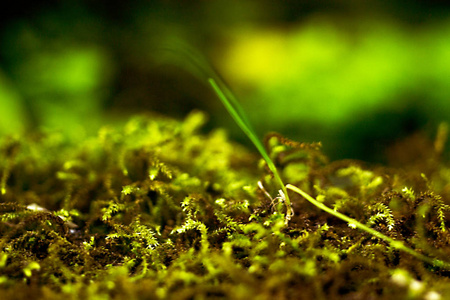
[(179, 53), (238, 115), (352, 222)]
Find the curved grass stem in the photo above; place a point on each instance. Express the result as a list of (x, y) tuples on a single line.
[(353, 223)]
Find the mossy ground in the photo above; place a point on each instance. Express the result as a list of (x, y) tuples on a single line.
[(156, 210)]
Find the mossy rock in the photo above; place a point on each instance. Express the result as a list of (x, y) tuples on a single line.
[(156, 210)]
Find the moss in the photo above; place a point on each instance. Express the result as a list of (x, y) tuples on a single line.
[(156, 210)]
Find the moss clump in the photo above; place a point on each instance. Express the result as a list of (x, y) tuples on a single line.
[(156, 210)]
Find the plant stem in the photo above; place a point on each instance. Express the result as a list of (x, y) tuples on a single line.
[(353, 223)]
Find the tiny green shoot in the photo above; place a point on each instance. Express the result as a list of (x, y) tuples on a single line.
[(235, 110), (201, 68)]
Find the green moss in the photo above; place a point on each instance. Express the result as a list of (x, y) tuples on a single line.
[(156, 210)]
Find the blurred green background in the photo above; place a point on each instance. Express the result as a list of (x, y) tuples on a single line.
[(356, 75)]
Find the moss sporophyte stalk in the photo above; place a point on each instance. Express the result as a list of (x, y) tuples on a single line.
[(154, 209)]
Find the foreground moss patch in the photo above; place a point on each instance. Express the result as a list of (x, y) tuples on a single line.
[(157, 210)]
